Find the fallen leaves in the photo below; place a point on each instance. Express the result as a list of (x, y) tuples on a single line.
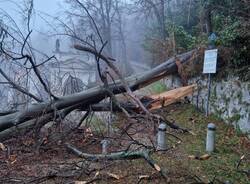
[(99, 175), (28, 142), (12, 159)]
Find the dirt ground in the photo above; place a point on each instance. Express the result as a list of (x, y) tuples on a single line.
[(21, 162)]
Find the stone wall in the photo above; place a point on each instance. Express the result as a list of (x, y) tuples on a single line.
[(229, 100)]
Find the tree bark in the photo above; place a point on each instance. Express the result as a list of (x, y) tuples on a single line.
[(91, 96), (208, 20)]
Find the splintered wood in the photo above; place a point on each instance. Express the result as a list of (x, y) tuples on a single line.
[(170, 97)]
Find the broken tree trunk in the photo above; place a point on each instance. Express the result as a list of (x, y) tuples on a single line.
[(152, 102), (93, 95), (169, 97)]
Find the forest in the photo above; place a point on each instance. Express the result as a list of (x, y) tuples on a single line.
[(125, 91)]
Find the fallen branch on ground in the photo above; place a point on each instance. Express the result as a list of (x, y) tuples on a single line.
[(123, 155)]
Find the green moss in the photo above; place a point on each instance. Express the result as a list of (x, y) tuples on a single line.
[(234, 110), (246, 104), (225, 98), (234, 119), (213, 97), (157, 87), (97, 125), (215, 91), (240, 96), (218, 112), (238, 130)]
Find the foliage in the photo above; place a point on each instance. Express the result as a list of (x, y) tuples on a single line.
[(187, 28), (228, 32), (179, 41), (183, 40)]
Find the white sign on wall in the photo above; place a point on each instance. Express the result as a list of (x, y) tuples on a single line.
[(210, 61)]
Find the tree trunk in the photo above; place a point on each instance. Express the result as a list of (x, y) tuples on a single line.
[(163, 20), (91, 96), (208, 20)]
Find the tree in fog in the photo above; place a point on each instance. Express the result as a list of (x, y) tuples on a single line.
[(155, 9), (101, 18)]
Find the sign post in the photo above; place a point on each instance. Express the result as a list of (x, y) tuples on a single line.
[(209, 67)]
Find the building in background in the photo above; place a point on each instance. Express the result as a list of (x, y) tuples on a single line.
[(72, 71)]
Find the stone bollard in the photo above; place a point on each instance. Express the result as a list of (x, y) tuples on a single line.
[(210, 137), (161, 137), (105, 144)]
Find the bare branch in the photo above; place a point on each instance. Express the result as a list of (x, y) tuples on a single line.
[(19, 88)]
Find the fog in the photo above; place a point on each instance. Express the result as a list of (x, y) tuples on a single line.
[(134, 35), (43, 12), (43, 23), (51, 7), (53, 27)]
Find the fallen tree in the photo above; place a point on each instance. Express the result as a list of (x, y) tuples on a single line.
[(151, 102), (91, 96), (34, 117)]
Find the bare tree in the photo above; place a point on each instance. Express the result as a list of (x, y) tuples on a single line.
[(99, 16), (103, 20), (157, 10)]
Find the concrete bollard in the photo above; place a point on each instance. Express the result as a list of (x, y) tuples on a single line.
[(161, 137), (105, 144), (210, 143)]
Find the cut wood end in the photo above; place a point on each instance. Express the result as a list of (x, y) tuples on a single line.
[(242, 157), (143, 177), (81, 182), (97, 174), (205, 157), (157, 167)]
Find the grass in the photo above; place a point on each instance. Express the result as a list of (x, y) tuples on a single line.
[(219, 168), (229, 147), (97, 125), (157, 87)]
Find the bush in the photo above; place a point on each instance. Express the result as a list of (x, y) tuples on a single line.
[(183, 39)]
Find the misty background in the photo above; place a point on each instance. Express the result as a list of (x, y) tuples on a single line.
[(135, 34), (44, 20)]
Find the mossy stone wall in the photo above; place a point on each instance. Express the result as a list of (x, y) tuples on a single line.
[(229, 100)]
